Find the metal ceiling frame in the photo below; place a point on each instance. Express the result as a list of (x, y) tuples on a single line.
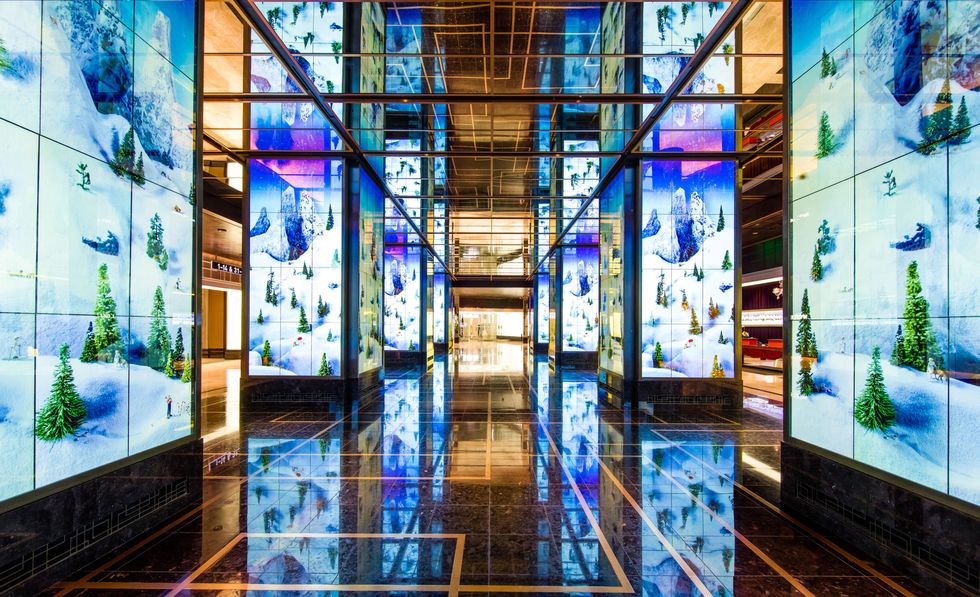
[(718, 33), (253, 18)]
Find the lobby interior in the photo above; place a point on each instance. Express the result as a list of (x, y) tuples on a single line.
[(398, 298)]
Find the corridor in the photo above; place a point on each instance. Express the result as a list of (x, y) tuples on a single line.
[(475, 483)]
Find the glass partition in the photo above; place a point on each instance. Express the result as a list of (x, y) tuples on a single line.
[(884, 238), (97, 230), (295, 267), (687, 266)]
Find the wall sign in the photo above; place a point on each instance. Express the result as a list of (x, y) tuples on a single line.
[(226, 267)]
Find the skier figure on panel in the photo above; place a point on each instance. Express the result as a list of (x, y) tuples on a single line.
[(170, 402)]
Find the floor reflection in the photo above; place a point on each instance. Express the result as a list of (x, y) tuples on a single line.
[(457, 482)]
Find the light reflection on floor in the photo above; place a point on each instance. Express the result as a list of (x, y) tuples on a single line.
[(460, 482)]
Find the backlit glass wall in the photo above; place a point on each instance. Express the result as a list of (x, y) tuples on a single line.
[(96, 234), (884, 238), (542, 306), (371, 263), (439, 309), (687, 243), (542, 289), (402, 288), (313, 31), (611, 283), (580, 298), (295, 267), (672, 32)]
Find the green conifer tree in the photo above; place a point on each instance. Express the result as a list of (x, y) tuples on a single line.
[(726, 262), (721, 219), (139, 177), (123, 161), (826, 142), (721, 337), (898, 353), (260, 319), (106, 330), (63, 411), (303, 326), (805, 382), (179, 345), (266, 353), (919, 341), (939, 124), (329, 217), (874, 410), (816, 266), (806, 342), (158, 342), (6, 65), (292, 298), (271, 294), (322, 372), (824, 64), (187, 374), (154, 238), (90, 353), (658, 356), (662, 295), (322, 309), (961, 124), (168, 369)]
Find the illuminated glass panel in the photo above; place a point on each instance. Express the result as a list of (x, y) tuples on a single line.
[(580, 298), (314, 34), (688, 269), (295, 267), (402, 289), (883, 238), (672, 32), (96, 235)]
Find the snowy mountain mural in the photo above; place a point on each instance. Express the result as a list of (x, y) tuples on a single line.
[(402, 300), (295, 265), (672, 32), (313, 33), (884, 237), (96, 233), (688, 270), (580, 298), (371, 264)]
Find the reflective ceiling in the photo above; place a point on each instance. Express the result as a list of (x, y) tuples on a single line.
[(491, 102)]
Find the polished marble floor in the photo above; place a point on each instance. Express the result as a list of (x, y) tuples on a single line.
[(523, 482)]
